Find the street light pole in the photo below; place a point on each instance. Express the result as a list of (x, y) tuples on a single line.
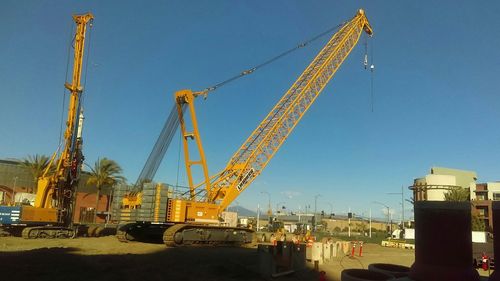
[(331, 207), (315, 210), (269, 210), (370, 222), (277, 206), (402, 205), (315, 202), (388, 215)]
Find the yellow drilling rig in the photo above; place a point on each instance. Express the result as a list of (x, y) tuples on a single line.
[(51, 215)]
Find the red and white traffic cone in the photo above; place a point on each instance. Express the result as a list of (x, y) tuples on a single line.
[(322, 276), (484, 260), (361, 248)]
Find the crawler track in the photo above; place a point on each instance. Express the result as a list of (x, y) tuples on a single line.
[(192, 234), (38, 232), (142, 232)]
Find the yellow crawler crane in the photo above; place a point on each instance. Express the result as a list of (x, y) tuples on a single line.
[(51, 215), (196, 219)]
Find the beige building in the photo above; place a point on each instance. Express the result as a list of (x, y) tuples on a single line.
[(356, 225), (435, 185)]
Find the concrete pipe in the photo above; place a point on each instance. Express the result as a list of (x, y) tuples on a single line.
[(443, 242), (356, 274), (390, 269), (495, 206)]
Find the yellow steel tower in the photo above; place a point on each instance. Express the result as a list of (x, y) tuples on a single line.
[(252, 157), (196, 219), (256, 152)]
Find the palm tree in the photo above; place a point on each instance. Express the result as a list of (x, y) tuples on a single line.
[(105, 173), (36, 165), (477, 224), (457, 194), (460, 194)]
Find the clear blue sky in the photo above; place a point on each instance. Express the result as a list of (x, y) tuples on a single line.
[(436, 91)]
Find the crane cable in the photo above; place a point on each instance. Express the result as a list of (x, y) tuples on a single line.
[(269, 61), (178, 160), (70, 43), (372, 68)]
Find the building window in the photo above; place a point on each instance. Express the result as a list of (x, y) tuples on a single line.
[(496, 196), (87, 215), (482, 211)]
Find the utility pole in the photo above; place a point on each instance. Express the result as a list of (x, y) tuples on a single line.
[(315, 210), (258, 217), (389, 216), (402, 204), (403, 207), (349, 221)]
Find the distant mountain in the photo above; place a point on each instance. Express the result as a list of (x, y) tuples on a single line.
[(242, 211)]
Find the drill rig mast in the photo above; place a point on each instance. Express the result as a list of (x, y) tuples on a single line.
[(51, 215)]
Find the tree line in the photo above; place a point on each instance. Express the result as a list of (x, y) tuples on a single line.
[(104, 173)]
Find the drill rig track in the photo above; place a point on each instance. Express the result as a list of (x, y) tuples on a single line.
[(48, 232)]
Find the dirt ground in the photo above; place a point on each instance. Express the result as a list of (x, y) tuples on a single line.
[(372, 253), (105, 258)]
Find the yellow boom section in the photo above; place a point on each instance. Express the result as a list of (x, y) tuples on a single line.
[(57, 185), (252, 157)]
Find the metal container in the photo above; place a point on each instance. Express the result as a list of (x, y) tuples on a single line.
[(443, 242)]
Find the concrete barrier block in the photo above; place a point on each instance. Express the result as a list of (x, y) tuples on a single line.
[(317, 252)]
